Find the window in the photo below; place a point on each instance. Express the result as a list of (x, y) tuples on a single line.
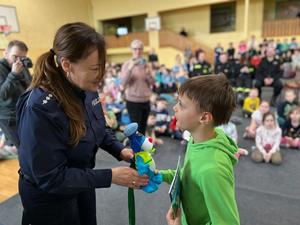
[(222, 17)]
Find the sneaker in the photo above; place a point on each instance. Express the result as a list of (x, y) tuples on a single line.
[(8, 152)]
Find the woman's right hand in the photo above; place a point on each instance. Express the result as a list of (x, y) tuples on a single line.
[(128, 177)]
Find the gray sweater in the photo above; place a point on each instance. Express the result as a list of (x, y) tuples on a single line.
[(11, 88)]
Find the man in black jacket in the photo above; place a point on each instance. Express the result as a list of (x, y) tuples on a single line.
[(201, 67), (269, 74), (14, 80)]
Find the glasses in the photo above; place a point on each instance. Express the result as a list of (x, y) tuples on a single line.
[(137, 49)]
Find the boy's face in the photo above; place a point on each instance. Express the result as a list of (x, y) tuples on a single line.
[(151, 120), (161, 105), (290, 96), (186, 114), (253, 94), (295, 116)]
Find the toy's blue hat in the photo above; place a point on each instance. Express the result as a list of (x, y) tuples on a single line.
[(131, 129)]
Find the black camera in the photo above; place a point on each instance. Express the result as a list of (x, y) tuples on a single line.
[(27, 63)]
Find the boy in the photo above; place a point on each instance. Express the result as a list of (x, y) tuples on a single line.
[(285, 106), (162, 117), (207, 179), (251, 103)]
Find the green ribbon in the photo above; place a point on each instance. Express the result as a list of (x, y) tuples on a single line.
[(131, 202)]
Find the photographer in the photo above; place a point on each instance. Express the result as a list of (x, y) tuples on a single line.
[(14, 80), (137, 81)]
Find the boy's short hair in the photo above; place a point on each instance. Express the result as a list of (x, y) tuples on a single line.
[(152, 113), (289, 91), (161, 99), (211, 93)]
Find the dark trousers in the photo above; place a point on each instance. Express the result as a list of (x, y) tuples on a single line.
[(277, 85), (244, 81), (41, 208), (9, 129), (139, 112)]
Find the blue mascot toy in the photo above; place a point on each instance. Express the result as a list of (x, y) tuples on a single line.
[(144, 162)]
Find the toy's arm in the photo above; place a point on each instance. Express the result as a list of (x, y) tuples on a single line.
[(167, 175)]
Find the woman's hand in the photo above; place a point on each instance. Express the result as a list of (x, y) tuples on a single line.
[(171, 220), (128, 177), (132, 63), (127, 154)]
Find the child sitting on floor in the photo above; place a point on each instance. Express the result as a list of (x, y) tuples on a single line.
[(251, 103), (267, 141), (256, 119), (291, 129)]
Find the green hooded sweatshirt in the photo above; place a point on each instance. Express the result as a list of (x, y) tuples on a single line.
[(207, 182)]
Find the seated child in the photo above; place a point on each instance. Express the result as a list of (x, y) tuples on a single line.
[(207, 178), (162, 117), (256, 119), (231, 131), (251, 103), (150, 130), (284, 107), (291, 129), (168, 80), (267, 141)]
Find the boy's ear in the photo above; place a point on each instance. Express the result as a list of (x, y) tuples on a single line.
[(205, 118)]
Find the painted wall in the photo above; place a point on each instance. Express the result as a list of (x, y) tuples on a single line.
[(166, 55), (39, 20), (103, 9), (196, 20), (194, 15)]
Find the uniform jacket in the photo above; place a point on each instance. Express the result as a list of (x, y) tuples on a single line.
[(44, 153), (268, 69)]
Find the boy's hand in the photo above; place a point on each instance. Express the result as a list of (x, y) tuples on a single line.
[(171, 220)]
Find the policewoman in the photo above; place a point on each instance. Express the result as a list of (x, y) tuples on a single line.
[(60, 128)]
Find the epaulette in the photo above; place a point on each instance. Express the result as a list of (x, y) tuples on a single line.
[(47, 98)]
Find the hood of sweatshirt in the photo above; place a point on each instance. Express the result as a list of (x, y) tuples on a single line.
[(221, 142)]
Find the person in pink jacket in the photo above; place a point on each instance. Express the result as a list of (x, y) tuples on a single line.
[(137, 80)]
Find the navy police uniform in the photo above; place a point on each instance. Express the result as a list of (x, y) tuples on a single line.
[(57, 181)]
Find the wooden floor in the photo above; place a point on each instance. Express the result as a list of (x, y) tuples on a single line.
[(8, 178)]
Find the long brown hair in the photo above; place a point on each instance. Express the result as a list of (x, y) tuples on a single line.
[(73, 41)]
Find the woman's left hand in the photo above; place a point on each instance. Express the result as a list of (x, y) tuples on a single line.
[(127, 154)]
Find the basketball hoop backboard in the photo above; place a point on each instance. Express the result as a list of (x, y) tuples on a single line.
[(8, 19)]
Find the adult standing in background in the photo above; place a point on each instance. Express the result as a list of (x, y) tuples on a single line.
[(137, 81), (14, 80), (61, 127)]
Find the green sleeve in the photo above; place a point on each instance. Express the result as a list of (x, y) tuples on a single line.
[(219, 196), (167, 175)]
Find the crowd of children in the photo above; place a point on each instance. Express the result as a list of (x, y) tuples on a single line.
[(242, 61)]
